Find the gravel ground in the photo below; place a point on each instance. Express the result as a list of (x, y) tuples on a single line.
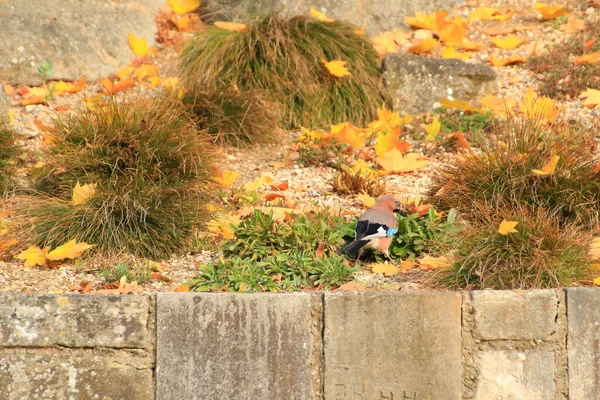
[(309, 186)]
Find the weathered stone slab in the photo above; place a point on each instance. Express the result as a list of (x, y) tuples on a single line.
[(503, 374), (74, 320), (583, 343), (374, 15), (67, 374), (76, 37), (393, 345), (506, 314), (416, 83), (239, 346)]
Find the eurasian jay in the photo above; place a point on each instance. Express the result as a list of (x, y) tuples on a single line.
[(376, 227)]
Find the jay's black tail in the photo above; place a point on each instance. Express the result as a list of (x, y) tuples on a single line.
[(353, 246)]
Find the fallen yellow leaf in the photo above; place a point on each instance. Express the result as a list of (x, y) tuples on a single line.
[(232, 26), (367, 200), (348, 134), (433, 129), (183, 6), (549, 168), (395, 162), (597, 281), (71, 249), (258, 183), (182, 288), (138, 45), (33, 256), (463, 105), (223, 225), (509, 42), (227, 178), (387, 139), (384, 268), (389, 42), (507, 227), (502, 62), (551, 11), (81, 194), (591, 96), (145, 71), (450, 52), (337, 68), (320, 16), (429, 262), (423, 46)]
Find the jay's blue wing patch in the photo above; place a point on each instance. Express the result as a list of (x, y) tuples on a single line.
[(366, 230)]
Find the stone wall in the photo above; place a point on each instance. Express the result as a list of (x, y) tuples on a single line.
[(481, 345)]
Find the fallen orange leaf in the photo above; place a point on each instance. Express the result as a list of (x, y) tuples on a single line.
[(337, 68), (273, 196), (423, 46), (548, 168), (551, 11), (589, 58), (232, 26), (459, 136), (591, 96), (509, 42), (498, 30), (574, 24), (385, 269), (109, 87), (589, 44), (450, 52), (502, 62), (352, 286)]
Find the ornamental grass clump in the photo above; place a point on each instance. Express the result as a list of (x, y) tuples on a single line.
[(8, 152), (146, 174), (285, 58)]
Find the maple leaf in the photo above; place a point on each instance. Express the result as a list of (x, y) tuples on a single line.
[(429, 262), (590, 58), (469, 46), (434, 21), (454, 32), (423, 46), (509, 42), (145, 71), (386, 140), (596, 281), (433, 129), (407, 265), (81, 194), (33, 256), (182, 288), (227, 177), (539, 107), (507, 227), (574, 24), (71, 250), (459, 136), (60, 88), (182, 22), (551, 11), (138, 45), (384, 268), (367, 200), (320, 16), (591, 96), (500, 107), (394, 162), (548, 168), (348, 134), (109, 87), (352, 286), (389, 41), (223, 225), (183, 6), (232, 26), (258, 182), (450, 52), (337, 68), (497, 62), (463, 105), (483, 13)]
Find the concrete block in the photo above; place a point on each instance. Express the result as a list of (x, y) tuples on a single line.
[(392, 346), (74, 321), (76, 37), (239, 346), (510, 375), (374, 15), (517, 315), (583, 343), (73, 374), (434, 79)]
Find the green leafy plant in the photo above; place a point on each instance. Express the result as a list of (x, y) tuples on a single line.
[(358, 179), (136, 272), (152, 175), (273, 255), (284, 57), (543, 253)]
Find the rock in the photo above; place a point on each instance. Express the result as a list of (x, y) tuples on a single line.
[(583, 343), (375, 15), (4, 103), (506, 314), (74, 321), (393, 345), (79, 374), (503, 374), (239, 346), (416, 83), (77, 38)]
